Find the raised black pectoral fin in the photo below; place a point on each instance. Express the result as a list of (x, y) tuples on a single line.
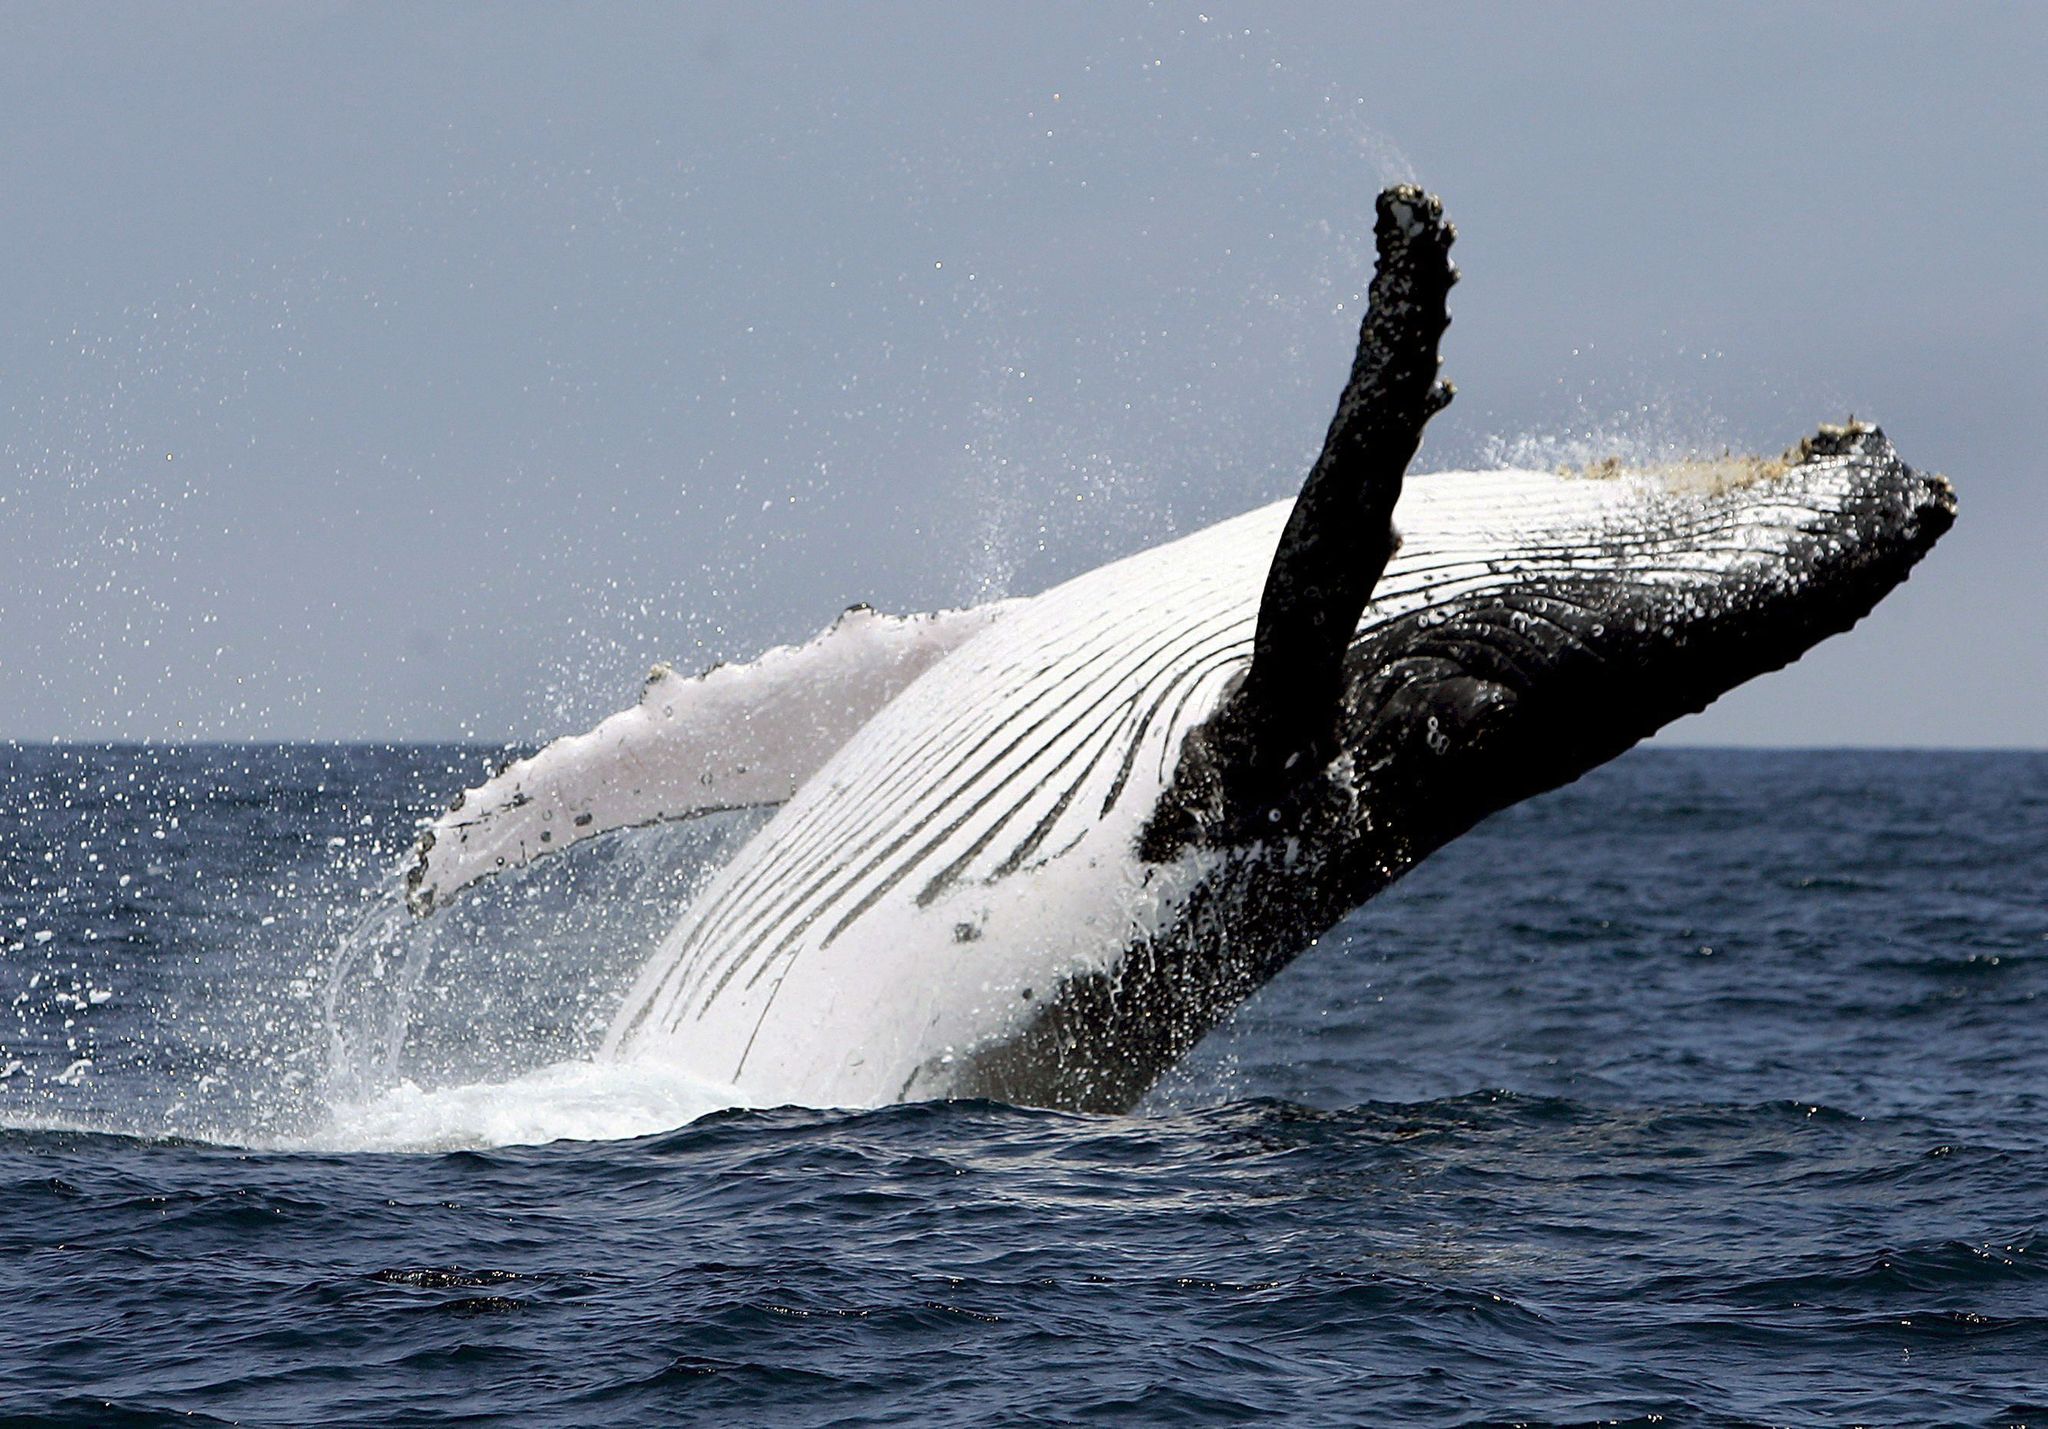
[(1243, 770)]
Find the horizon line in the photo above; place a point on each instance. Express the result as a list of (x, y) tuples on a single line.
[(1650, 743)]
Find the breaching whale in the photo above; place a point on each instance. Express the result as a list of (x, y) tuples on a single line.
[(1036, 849)]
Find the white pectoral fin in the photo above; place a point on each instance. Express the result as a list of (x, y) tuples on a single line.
[(736, 736)]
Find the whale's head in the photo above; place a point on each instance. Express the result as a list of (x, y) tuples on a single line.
[(1539, 624), (1531, 626)]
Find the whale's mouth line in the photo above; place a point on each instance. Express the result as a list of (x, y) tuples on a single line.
[(1575, 631)]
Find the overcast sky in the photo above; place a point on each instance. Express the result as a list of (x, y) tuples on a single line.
[(429, 371)]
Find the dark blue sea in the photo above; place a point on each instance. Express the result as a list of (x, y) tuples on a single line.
[(1712, 1089)]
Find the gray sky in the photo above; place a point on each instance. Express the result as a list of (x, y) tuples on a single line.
[(420, 372)]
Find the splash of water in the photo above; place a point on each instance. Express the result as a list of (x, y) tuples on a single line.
[(1652, 432), (575, 1100), (482, 1026)]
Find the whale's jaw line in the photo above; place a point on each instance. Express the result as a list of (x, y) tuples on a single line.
[(1452, 714), (1518, 690)]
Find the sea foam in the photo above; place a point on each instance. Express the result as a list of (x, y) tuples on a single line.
[(565, 1101)]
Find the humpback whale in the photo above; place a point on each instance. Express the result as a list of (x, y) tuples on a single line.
[(1034, 850)]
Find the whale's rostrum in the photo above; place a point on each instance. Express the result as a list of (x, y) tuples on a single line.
[(1035, 850)]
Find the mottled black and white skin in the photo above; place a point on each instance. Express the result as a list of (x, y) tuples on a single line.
[(1035, 850)]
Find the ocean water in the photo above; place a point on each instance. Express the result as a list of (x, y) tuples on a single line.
[(1712, 1089)]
